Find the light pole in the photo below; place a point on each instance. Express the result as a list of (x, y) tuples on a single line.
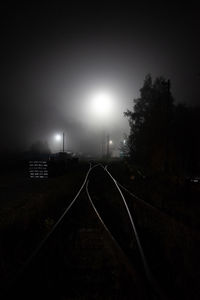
[(59, 137), (109, 144), (101, 106), (63, 142), (102, 142)]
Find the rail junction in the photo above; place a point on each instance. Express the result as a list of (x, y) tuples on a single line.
[(93, 251)]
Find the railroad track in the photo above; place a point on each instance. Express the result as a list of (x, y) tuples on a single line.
[(101, 231)]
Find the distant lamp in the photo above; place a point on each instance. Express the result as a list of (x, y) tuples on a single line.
[(58, 137), (110, 142), (124, 142)]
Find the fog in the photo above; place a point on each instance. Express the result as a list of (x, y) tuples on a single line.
[(56, 58)]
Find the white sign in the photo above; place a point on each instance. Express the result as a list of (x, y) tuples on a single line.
[(38, 169)]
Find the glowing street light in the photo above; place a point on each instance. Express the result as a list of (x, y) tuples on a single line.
[(100, 108), (110, 142), (101, 105), (59, 137)]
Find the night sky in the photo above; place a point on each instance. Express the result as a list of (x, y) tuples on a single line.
[(55, 57)]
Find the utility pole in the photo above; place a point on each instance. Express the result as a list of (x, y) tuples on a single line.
[(103, 143), (63, 141), (107, 144)]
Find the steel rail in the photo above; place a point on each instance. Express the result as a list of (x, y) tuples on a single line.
[(99, 217), (136, 197), (43, 242), (85, 184), (148, 273), (125, 258)]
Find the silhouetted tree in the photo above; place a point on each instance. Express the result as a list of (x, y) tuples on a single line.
[(163, 136), (150, 123)]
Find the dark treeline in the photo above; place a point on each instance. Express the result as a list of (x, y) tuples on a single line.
[(164, 136)]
